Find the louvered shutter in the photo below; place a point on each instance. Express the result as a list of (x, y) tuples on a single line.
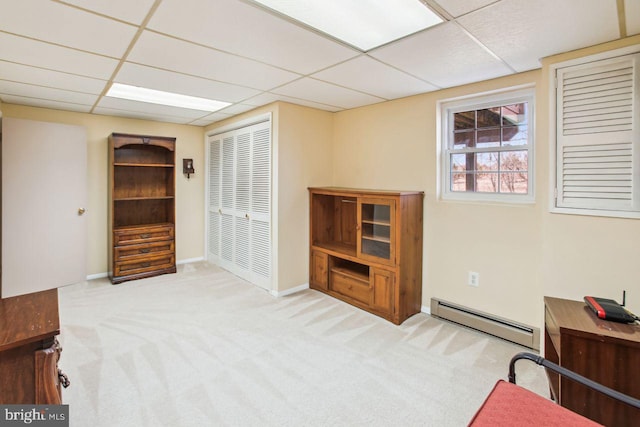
[(261, 202), (597, 135), (242, 195), (227, 237), (213, 244), (240, 202)]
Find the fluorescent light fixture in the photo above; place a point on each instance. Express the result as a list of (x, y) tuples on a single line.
[(364, 24), (136, 93)]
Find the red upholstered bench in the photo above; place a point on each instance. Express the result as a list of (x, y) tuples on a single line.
[(511, 405)]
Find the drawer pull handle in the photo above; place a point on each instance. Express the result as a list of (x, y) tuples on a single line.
[(145, 235), (145, 251), (63, 378), (145, 264)]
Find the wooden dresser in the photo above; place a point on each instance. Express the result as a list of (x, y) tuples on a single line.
[(603, 351), (29, 350)]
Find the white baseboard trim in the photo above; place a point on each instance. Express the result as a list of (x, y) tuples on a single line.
[(189, 260), (289, 291), (182, 261), (97, 276), (425, 309)]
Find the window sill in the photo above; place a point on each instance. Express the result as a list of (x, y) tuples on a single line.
[(596, 213), (488, 199)]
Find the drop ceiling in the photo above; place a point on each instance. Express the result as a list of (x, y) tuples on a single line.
[(66, 54)]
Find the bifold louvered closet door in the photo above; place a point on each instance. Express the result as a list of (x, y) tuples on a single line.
[(597, 135), (239, 202)]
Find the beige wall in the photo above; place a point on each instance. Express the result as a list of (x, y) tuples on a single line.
[(189, 193), (393, 146), (522, 252), (304, 158)]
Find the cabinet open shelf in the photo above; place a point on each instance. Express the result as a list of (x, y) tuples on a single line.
[(338, 247), (376, 238), (126, 199), (144, 165), (373, 222)]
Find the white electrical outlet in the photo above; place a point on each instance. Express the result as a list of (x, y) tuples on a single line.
[(474, 279)]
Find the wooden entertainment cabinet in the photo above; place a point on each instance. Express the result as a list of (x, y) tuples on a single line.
[(603, 351), (366, 249)]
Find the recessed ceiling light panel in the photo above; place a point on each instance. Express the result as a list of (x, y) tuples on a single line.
[(364, 24), (136, 93)]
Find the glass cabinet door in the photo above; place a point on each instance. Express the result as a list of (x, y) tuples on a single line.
[(376, 231)]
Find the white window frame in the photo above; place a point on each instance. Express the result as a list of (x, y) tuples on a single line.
[(447, 108), (553, 139)]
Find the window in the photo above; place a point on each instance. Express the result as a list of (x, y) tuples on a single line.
[(487, 147), (597, 137)]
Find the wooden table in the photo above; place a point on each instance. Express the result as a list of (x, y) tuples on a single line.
[(603, 351)]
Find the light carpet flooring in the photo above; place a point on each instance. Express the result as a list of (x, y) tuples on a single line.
[(204, 348)]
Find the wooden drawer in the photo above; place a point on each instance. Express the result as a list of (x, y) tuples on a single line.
[(127, 252), (147, 234), (351, 285), (143, 265)]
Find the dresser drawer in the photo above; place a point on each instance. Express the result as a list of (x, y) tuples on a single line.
[(137, 235), (351, 285), (144, 264), (127, 252)]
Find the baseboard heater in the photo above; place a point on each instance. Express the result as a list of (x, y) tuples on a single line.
[(506, 329)]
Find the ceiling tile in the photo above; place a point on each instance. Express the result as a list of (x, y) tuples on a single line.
[(30, 91), (444, 56), (375, 78), (325, 93), (268, 98), (146, 107), (632, 13), (460, 7), (142, 115), (126, 10), (44, 103), (211, 118), (55, 79), (249, 31), (237, 109), (188, 58), (67, 26), (153, 78), (528, 32), (44, 55)]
